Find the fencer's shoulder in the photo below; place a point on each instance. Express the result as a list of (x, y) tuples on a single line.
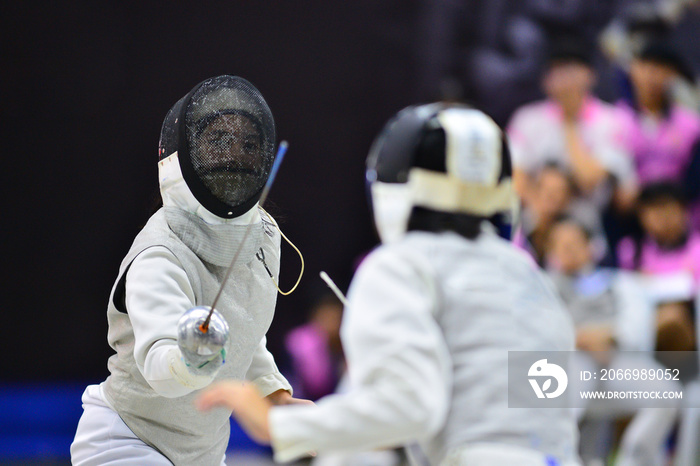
[(414, 248), (266, 216), (156, 229), (512, 251), (416, 244), (384, 253), (491, 247), (270, 226), (154, 233), (430, 245), (156, 253), (155, 263)]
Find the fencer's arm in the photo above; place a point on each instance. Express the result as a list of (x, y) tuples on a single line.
[(158, 293), (263, 372), (399, 366)]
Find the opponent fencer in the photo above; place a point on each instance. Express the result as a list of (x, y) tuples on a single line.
[(432, 314), (215, 156)]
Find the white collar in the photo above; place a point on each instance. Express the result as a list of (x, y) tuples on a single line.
[(176, 193)]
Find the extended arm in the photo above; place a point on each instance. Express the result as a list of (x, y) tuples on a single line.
[(158, 293), (263, 372), (399, 368)]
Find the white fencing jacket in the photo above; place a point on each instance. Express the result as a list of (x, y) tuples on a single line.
[(176, 262), (427, 330)]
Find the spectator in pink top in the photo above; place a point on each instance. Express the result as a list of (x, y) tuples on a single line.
[(574, 130), (668, 244), (670, 249), (315, 350), (661, 133)]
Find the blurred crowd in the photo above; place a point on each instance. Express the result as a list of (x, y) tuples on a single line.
[(610, 199)]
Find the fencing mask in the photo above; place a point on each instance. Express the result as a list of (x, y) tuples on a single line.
[(224, 136), (434, 164)]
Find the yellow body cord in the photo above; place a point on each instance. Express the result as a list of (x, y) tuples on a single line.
[(301, 257)]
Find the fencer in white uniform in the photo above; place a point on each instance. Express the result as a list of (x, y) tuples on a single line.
[(433, 313), (216, 153)]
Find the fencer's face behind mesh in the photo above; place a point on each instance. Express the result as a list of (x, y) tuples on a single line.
[(230, 136), (225, 139), (228, 157)]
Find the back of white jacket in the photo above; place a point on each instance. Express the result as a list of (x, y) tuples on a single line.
[(427, 331)]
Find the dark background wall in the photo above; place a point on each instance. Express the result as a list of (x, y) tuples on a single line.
[(87, 85)]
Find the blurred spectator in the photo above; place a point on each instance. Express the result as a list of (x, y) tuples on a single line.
[(553, 194), (610, 312), (638, 24), (606, 304), (667, 244), (315, 350), (669, 252), (573, 129), (661, 133)]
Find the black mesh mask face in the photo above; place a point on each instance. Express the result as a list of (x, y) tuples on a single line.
[(224, 134)]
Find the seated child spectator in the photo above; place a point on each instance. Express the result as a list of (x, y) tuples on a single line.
[(669, 250), (599, 298), (553, 195)]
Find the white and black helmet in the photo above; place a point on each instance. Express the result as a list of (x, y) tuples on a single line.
[(440, 167)]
